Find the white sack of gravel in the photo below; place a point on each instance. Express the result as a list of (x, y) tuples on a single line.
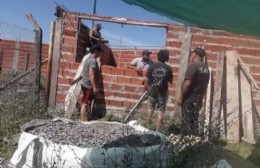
[(64, 143)]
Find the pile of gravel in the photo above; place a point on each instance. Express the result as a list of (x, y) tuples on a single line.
[(94, 135)]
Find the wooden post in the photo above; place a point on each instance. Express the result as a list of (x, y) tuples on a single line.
[(232, 114), (50, 55), (208, 108), (55, 63), (216, 106), (184, 60), (246, 108), (38, 43), (16, 57)]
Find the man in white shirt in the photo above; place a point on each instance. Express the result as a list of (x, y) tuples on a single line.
[(143, 63)]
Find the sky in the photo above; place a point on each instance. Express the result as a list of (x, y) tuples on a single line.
[(14, 24)]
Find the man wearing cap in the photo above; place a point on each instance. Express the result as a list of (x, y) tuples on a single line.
[(143, 63), (159, 75), (90, 80), (95, 35), (193, 92)]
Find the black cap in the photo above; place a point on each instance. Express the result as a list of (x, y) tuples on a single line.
[(200, 52), (98, 25), (95, 48), (146, 52)]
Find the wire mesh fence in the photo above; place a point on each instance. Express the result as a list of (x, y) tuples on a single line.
[(19, 102), (15, 33), (17, 49)]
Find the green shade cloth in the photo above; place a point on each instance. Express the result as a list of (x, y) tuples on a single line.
[(237, 16)]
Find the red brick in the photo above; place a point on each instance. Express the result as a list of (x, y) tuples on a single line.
[(255, 69), (174, 60), (172, 36), (240, 42), (130, 88), (257, 102), (70, 49), (109, 93), (117, 71), (245, 51), (134, 96), (121, 79), (105, 69), (174, 52), (116, 103), (137, 81), (130, 72), (70, 41), (60, 97), (65, 64), (176, 44), (69, 33), (68, 73), (176, 28), (214, 40), (122, 94), (74, 65), (63, 80), (116, 87), (198, 38), (215, 48), (68, 58), (226, 41), (109, 78)]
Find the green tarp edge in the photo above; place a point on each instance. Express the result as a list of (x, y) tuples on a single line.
[(236, 16)]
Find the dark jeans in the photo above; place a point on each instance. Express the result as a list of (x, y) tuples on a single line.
[(190, 115)]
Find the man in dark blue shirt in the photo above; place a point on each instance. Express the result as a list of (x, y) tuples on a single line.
[(193, 92)]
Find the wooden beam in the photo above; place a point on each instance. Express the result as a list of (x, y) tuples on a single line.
[(55, 63), (248, 75), (50, 55), (122, 20), (232, 114), (246, 108), (206, 114), (216, 106)]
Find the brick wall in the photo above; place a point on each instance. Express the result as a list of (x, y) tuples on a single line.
[(26, 53)]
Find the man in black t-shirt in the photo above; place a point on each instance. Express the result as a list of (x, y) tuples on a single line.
[(158, 75), (193, 92)]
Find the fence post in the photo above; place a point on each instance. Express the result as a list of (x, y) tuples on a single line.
[(38, 44), (16, 58)]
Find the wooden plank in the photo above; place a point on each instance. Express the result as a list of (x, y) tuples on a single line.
[(232, 114), (74, 91), (184, 60), (122, 20), (16, 57), (50, 55), (55, 63), (216, 105), (38, 52), (246, 108), (206, 114)]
